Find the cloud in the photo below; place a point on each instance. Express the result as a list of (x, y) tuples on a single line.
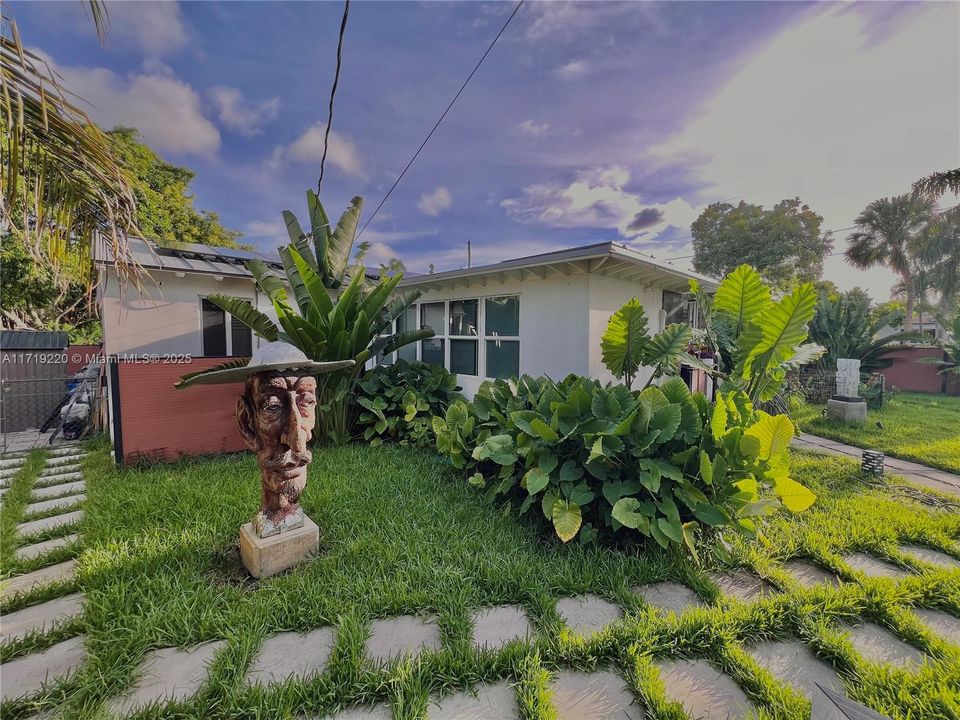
[(236, 114), (534, 129), (308, 148), (572, 69), (166, 110), (597, 198), (434, 203), (832, 112), (264, 228), (648, 217), (156, 28)]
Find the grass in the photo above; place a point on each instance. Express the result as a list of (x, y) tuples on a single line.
[(916, 426), (402, 534)]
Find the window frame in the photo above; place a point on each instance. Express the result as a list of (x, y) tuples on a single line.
[(486, 337), (228, 329), (480, 338)]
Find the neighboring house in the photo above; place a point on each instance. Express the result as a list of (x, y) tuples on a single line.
[(540, 315), (923, 324)]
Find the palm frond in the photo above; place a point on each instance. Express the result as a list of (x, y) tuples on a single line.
[(197, 377)]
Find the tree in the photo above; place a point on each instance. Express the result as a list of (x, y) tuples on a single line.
[(784, 244), (165, 211), (887, 234), (938, 254), (62, 185), (936, 184), (949, 364)]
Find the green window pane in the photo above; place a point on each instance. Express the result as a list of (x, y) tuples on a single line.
[(463, 317), (463, 357), (431, 351), (408, 352), (503, 316), (431, 316), (503, 358)]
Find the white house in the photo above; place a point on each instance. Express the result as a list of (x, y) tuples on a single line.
[(540, 315)]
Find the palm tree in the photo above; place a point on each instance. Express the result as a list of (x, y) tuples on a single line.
[(939, 253), (888, 232), (63, 188)]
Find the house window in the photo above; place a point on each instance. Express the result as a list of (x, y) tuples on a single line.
[(502, 336), (463, 334), (222, 334), (478, 337), (433, 316), (407, 321)]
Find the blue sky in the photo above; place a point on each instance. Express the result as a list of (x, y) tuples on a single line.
[(587, 122)]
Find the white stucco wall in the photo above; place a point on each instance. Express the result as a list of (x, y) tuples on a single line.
[(607, 295), (561, 320), (166, 319)]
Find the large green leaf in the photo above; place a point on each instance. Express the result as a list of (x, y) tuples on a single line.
[(196, 378), (499, 448), (624, 341), (668, 347), (300, 292), (794, 496), (243, 311), (396, 341), (320, 230), (774, 433), (268, 281), (298, 239), (783, 326), (341, 241), (566, 519), (313, 284), (742, 295), (626, 512)]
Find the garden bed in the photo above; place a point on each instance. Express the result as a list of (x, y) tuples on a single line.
[(403, 534)]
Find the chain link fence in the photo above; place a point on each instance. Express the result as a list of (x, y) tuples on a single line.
[(45, 411)]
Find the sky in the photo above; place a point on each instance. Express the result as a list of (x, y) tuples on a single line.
[(587, 122)]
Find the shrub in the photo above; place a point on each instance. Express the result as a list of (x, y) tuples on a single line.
[(399, 401), (597, 459)]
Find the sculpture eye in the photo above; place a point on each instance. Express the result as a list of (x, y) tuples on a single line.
[(273, 405), (306, 400)]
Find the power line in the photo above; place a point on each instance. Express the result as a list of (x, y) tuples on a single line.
[(333, 91), (437, 124)]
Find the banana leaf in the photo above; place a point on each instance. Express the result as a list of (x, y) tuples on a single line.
[(247, 314)]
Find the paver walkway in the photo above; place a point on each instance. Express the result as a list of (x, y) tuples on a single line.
[(27, 675), (929, 477)]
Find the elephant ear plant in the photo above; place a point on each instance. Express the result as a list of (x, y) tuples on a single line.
[(626, 347), (336, 313)]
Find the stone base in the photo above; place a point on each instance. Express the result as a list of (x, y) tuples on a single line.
[(263, 557), (847, 411)]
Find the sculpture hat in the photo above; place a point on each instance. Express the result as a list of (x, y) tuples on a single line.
[(277, 355)]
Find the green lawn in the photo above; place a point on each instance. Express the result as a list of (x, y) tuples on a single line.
[(402, 534), (916, 426)]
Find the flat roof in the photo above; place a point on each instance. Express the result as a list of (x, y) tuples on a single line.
[(188, 257), (605, 258), (33, 340)]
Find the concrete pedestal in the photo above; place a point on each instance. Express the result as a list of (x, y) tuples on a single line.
[(263, 557), (848, 411)]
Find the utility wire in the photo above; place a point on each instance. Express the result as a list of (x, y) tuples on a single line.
[(437, 124), (333, 91)]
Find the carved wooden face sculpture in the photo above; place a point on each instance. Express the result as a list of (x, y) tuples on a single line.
[(276, 416)]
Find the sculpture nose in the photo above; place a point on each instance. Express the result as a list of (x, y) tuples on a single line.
[(295, 440)]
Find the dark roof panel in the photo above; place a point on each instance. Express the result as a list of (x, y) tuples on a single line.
[(33, 340)]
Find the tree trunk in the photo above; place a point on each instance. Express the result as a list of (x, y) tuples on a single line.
[(911, 301)]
